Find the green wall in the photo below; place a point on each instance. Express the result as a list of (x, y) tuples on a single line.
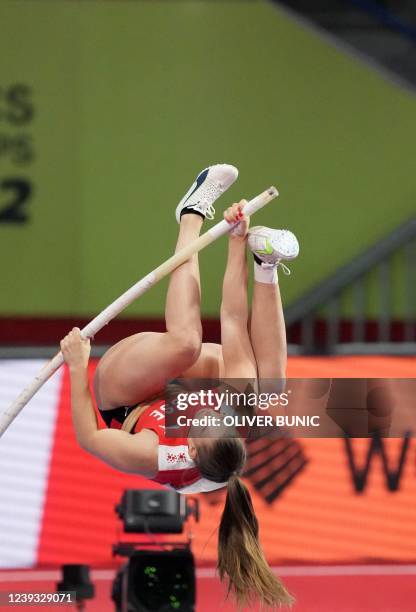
[(132, 99)]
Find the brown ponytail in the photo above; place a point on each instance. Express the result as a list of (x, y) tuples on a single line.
[(240, 558), (241, 561)]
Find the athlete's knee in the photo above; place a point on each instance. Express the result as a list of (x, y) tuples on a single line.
[(188, 346)]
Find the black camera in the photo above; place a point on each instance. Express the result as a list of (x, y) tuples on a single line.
[(154, 511), (158, 575)]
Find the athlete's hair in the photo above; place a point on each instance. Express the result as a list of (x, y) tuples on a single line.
[(241, 561)]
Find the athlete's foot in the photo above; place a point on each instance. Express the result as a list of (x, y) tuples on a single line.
[(270, 247), (207, 188)]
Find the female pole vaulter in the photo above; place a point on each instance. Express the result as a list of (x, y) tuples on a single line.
[(132, 375)]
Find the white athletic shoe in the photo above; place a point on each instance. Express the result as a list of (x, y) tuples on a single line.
[(208, 186), (271, 246)]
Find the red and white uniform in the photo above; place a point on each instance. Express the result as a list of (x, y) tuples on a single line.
[(176, 468)]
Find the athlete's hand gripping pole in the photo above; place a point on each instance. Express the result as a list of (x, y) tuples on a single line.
[(128, 297)]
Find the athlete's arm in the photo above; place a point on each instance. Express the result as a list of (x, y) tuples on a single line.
[(129, 453), (135, 454), (76, 352), (239, 360)]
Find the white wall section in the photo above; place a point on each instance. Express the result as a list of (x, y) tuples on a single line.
[(25, 451)]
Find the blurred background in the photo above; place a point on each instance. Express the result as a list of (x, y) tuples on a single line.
[(108, 110)]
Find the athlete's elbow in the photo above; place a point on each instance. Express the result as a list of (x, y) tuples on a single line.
[(86, 442)]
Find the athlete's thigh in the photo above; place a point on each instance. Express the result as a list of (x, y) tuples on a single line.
[(135, 369), (210, 363)]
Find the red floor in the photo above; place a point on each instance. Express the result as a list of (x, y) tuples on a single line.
[(366, 589)]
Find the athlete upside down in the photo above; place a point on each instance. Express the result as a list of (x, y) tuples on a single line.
[(132, 376)]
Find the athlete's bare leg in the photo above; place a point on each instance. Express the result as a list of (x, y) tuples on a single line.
[(268, 331), (139, 366)]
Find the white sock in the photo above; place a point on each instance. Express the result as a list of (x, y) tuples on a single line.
[(265, 275)]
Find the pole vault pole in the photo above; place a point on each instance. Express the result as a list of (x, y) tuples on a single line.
[(220, 229)]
